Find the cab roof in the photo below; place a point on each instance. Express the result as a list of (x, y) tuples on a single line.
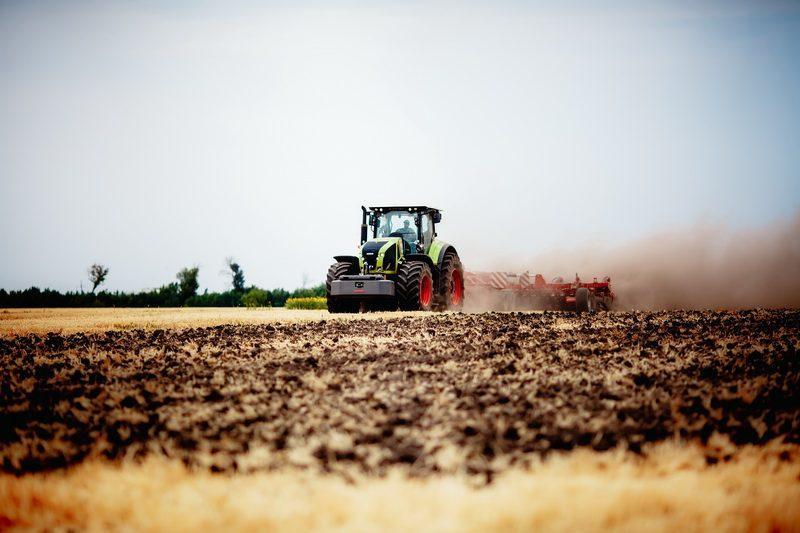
[(410, 208)]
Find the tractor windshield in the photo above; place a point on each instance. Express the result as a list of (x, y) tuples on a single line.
[(397, 224)]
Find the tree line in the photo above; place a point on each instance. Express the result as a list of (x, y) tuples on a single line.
[(182, 292)]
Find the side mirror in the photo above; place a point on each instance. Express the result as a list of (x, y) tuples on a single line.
[(437, 217)]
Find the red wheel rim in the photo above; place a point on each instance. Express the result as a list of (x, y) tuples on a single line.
[(425, 291), (457, 289)]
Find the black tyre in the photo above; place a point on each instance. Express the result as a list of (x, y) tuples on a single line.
[(584, 301), (451, 284), (602, 304), (340, 305), (414, 286)]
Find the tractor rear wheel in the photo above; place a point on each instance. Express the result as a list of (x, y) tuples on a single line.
[(584, 300), (340, 305), (414, 286), (451, 283)]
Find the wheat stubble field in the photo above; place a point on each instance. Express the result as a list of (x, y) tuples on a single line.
[(503, 421)]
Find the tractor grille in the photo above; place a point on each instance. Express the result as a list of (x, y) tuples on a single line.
[(370, 253)]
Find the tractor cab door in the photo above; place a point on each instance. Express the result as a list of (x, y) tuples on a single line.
[(427, 234)]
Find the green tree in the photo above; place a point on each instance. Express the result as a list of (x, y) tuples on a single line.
[(310, 292), (256, 297), (237, 275), (187, 280), (97, 275)]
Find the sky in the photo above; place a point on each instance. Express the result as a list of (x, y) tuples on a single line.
[(151, 136)]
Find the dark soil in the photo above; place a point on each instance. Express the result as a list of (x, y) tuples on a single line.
[(452, 392)]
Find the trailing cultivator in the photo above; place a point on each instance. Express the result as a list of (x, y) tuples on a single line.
[(510, 291)]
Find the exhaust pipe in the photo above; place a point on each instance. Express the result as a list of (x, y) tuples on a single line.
[(363, 224)]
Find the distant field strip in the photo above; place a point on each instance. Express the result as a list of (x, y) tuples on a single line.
[(24, 321)]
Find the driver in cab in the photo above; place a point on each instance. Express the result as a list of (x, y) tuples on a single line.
[(408, 234)]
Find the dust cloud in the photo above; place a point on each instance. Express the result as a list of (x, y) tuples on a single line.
[(702, 267)]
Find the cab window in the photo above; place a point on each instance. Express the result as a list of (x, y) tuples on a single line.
[(427, 230), (397, 224)]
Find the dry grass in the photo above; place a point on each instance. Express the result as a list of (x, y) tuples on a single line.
[(96, 320), (672, 490)]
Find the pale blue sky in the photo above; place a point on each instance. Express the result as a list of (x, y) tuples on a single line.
[(152, 136)]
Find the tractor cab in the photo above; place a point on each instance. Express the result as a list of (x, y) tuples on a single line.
[(414, 224)]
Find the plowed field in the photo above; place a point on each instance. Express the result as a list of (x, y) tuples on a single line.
[(473, 394)]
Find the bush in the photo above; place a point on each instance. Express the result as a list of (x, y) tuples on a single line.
[(256, 298), (306, 303), (170, 295), (318, 290), (216, 299)]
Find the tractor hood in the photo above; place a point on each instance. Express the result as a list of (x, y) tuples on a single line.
[(381, 255)]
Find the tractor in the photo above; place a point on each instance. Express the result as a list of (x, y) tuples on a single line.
[(399, 264)]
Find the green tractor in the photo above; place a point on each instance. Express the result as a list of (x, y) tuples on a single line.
[(400, 264)]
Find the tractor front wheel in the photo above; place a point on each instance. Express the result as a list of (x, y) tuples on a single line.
[(414, 286), (340, 305)]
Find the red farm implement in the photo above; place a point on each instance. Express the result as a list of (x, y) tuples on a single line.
[(512, 291)]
